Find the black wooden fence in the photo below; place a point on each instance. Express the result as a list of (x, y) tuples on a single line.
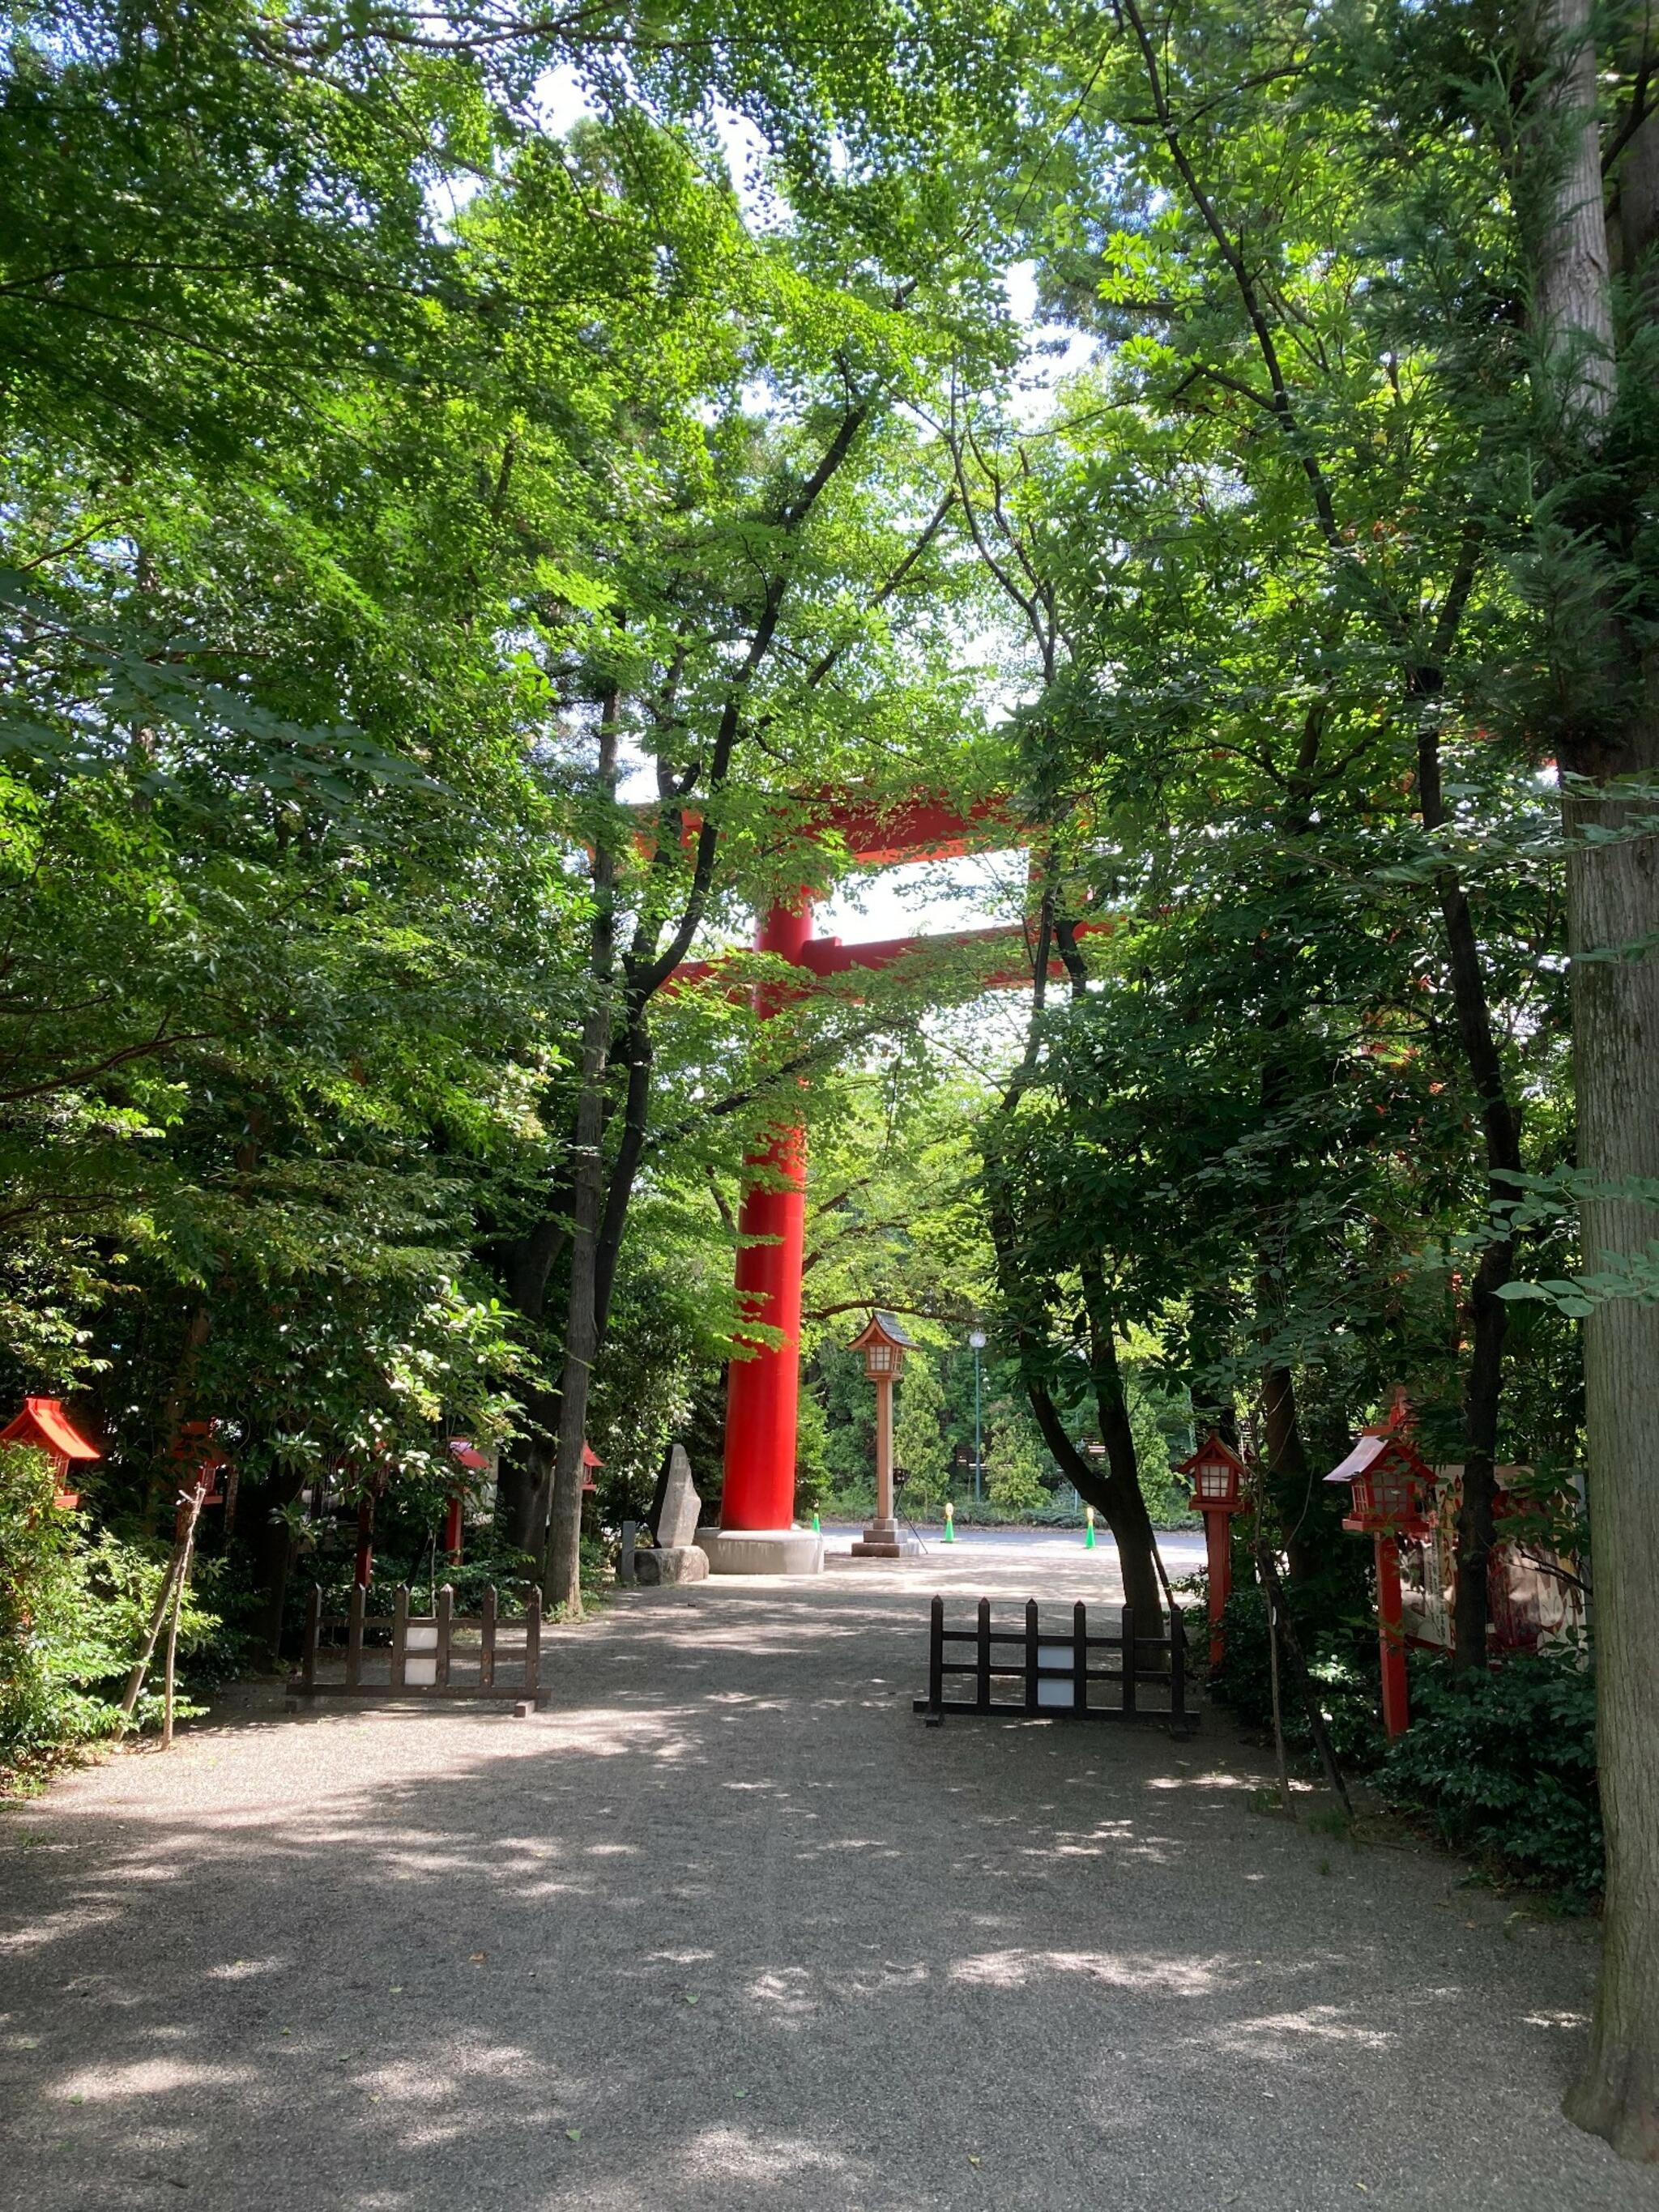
[(1031, 1670), (437, 1655)]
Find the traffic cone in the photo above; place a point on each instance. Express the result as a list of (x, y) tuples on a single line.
[(949, 1537), (1088, 1532)]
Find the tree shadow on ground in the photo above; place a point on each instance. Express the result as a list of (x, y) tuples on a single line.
[(728, 1927)]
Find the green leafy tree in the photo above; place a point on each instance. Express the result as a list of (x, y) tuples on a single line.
[(1014, 1463), (918, 1445)]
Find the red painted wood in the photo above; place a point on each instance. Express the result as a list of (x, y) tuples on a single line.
[(1219, 1554), (764, 1389), (922, 829), (827, 956), (1396, 1710)]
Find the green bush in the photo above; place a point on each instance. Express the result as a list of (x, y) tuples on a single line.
[(328, 1561), (1342, 1662), (1503, 1766), (72, 1617)]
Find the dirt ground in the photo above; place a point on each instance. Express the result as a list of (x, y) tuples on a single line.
[(725, 1927)]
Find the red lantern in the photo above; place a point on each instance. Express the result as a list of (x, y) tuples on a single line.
[(1392, 1486), (465, 1455), (1217, 1474), (44, 1425)]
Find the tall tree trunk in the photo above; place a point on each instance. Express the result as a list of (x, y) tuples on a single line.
[(1286, 1458), (273, 1558), (526, 1487), (1612, 908), (562, 1584), (640, 1056), (1121, 1500), (1489, 1314), (1614, 901), (1115, 1496), (1286, 1454)]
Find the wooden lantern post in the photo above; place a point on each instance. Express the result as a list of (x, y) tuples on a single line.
[(1392, 1484), (1217, 1474), (363, 1569), (467, 1456), (44, 1425), (884, 1344)]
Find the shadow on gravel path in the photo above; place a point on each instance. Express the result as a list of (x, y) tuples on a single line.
[(728, 1929)]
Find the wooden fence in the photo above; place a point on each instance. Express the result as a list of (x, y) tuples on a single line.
[(1059, 1676), (427, 1656)]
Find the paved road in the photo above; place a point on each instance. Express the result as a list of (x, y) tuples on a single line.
[(1181, 1549), (728, 1929)]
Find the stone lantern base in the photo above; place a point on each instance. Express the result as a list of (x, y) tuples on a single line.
[(882, 1540)]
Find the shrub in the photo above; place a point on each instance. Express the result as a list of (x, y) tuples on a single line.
[(72, 1616), (47, 1644), (1503, 1766), (1341, 1656)]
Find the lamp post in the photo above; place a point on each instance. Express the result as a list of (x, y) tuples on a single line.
[(1216, 1473), (977, 1338), (1392, 1485), (884, 1344)]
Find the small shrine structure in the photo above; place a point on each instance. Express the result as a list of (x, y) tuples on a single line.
[(45, 1425)]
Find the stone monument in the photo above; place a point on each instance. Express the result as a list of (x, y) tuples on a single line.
[(675, 1558)]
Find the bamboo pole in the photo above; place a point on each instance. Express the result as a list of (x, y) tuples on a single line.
[(170, 1597), (193, 1511)]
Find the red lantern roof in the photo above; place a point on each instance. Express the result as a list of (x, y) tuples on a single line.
[(45, 1425), (467, 1455), (883, 1341), (1217, 1473), (883, 1328), (1215, 1446), (1391, 1483)]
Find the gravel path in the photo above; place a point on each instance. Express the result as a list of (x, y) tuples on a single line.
[(727, 1928)]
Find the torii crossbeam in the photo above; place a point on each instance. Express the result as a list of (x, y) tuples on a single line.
[(763, 1389)]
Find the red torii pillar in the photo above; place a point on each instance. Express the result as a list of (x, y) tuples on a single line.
[(764, 1389)]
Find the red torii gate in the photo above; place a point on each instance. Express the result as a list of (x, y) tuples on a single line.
[(763, 1389)]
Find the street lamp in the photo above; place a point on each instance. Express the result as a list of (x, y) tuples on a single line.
[(977, 1338), (1393, 1487), (1217, 1473), (884, 1344)]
